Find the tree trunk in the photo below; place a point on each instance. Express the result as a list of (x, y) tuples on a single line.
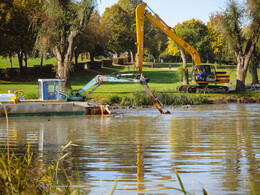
[(132, 56), (60, 61), (253, 69), (76, 60), (241, 78), (25, 60), (20, 60), (185, 68), (41, 61), (92, 56), (243, 64), (81, 57), (10, 60)]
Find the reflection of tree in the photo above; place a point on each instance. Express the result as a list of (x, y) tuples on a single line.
[(220, 144), (241, 161)]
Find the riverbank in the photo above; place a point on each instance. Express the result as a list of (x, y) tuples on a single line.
[(173, 98)]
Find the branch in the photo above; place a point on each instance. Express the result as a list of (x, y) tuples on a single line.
[(85, 18)]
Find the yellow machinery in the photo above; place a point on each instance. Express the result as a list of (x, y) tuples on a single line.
[(210, 74)]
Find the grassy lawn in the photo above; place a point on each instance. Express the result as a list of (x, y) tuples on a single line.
[(161, 79), (4, 62)]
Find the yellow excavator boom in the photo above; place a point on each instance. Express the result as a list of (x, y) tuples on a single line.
[(157, 21)]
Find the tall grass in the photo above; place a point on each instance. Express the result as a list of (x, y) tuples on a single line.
[(19, 174), (140, 98)]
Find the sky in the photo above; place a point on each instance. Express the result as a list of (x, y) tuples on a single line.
[(178, 11)]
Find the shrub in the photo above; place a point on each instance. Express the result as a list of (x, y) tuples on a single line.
[(107, 63), (121, 60), (112, 100)]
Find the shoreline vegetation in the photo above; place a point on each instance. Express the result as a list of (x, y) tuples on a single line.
[(164, 79)]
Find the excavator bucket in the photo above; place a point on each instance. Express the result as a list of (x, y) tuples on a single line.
[(154, 99)]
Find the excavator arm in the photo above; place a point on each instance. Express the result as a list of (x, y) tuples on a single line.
[(96, 82), (99, 79), (157, 21)]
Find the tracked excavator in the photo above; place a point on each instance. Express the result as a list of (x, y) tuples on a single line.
[(208, 82)]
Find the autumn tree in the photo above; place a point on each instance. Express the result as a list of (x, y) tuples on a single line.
[(116, 21), (93, 38), (216, 37), (195, 33), (6, 41), (62, 21), (232, 23), (130, 6), (154, 40), (16, 35)]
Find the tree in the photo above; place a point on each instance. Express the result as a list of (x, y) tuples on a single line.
[(130, 6), (232, 23), (93, 38), (195, 33), (6, 10), (62, 21), (216, 37), (154, 40), (116, 21), (16, 36)]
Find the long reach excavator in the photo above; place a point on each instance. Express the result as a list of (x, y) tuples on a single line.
[(202, 81)]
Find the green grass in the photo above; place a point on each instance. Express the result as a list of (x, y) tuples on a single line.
[(4, 62), (30, 90)]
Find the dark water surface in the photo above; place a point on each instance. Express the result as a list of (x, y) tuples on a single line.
[(215, 147)]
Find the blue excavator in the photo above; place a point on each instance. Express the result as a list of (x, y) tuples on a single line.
[(120, 78)]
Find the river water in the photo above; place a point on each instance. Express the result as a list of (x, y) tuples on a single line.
[(215, 147)]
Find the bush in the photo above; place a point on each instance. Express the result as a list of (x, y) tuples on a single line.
[(121, 60), (107, 63), (181, 99), (2, 73), (126, 101), (94, 65), (113, 100), (140, 99)]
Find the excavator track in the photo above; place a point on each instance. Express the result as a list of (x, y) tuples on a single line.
[(202, 89)]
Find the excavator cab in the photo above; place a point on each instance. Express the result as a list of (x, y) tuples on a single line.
[(203, 74), (50, 89)]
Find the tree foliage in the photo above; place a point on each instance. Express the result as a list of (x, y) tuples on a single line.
[(16, 35), (233, 20), (116, 20), (93, 39), (195, 33), (61, 23), (154, 40), (215, 37), (130, 6)]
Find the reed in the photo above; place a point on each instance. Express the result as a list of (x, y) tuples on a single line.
[(19, 174), (167, 98)]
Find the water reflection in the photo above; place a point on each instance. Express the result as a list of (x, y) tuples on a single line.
[(214, 146)]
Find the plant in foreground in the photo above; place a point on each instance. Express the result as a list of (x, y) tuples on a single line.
[(20, 175)]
